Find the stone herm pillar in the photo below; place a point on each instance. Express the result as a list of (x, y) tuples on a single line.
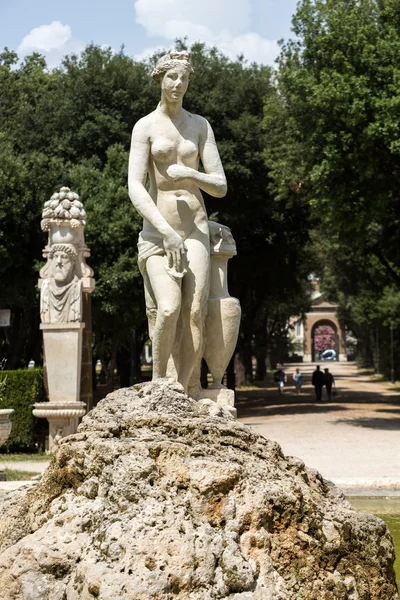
[(223, 316), (65, 286)]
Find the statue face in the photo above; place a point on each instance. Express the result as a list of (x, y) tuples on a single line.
[(62, 267), (175, 83)]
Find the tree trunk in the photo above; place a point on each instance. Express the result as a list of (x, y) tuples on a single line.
[(204, 374), (248, 363), (240, 375), (261, 358), (111, 369), (16, 340), (230, 374), (124, 366)]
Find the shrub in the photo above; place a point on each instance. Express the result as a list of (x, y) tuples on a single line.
[(22, 389)]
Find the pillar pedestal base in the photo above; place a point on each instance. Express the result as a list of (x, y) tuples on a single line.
[(63, 419)]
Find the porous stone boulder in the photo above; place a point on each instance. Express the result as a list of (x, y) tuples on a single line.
[(160, 497)]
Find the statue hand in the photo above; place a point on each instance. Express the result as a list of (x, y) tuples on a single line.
[(175, 250), (178, 172)]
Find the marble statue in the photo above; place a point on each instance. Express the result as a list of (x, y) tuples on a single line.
[(66, 283), (174, 245), (61, 295)]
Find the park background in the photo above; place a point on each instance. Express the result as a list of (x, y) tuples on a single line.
[(310, 147), (309, 135)]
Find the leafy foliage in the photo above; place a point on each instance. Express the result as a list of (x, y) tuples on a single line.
[(269, 273), (71, 126), (334, 126), (23, 388), (324, 338)]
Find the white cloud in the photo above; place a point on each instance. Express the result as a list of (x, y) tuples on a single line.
[(254, 48), (208, 21), (53, 41), (156, 15), (149, 51), (175, 28), (46, 38)]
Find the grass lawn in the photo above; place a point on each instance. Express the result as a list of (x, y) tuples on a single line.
[(25, 457), (12, 475)]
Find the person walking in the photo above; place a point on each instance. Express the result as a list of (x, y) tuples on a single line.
[(318, 382), (298, 381), (328, 382), (280, 378)]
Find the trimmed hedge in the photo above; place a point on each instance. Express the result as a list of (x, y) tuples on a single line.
[(23, 388)]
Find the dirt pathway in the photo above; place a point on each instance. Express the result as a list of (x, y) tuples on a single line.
[(354, 440)]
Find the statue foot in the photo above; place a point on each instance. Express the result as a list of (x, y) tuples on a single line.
[(220, 395)]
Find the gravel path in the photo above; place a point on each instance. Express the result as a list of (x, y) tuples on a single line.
[(31, 466), (353, 440)]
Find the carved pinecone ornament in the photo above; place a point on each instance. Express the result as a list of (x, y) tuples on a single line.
[(63, 206)]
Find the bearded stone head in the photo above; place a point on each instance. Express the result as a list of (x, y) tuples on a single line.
[(63, 258)]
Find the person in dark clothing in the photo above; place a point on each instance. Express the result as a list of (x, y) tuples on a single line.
[(328, 381), (318, 382), (280, 378)]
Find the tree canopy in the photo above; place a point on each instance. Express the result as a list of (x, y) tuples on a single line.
[(335, 132), (71, 126)]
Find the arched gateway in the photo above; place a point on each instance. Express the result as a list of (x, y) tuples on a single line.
[(321, 330), (324, 336)]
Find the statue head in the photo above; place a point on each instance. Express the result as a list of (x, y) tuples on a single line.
[(171, 60), (63, 258), (173, 71)]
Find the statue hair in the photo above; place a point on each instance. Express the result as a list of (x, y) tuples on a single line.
[(67, 248), (170, 60)]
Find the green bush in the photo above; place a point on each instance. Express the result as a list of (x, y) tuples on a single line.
[(22, 389)]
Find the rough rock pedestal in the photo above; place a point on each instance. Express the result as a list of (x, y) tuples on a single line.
[(155, 499)]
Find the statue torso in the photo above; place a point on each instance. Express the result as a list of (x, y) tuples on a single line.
[(180, 203)]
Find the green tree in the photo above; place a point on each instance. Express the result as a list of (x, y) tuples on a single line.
[(72, 126), (336, 139), (69, 126), (270, 271), (111, 234)]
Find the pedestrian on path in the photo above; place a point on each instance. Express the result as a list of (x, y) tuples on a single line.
[(328, 382), (298, 381), (280, 378), (318, 382)]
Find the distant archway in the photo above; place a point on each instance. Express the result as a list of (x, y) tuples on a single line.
[(324, 336), (322, 312)]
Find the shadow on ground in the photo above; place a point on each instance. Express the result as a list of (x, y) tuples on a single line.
[(267, 401), (372, 423), (291, 409)]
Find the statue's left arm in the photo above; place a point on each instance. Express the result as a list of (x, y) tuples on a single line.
[(213, 181)]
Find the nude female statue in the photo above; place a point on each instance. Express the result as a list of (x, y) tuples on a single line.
[(174, 246)]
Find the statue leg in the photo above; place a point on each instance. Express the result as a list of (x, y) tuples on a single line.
[(167, 297), (195, 288)]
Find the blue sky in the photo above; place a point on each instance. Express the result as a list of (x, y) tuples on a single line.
[(58, 27)]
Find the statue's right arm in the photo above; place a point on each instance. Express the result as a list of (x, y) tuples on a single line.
[(138, 163)]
